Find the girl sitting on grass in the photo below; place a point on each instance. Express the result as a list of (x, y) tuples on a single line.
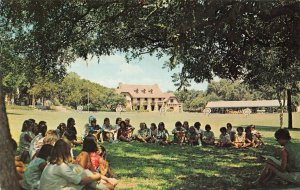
[(60, 173), (109, 131), (193, 137), (230, 131), (162, 134), (239, 140), (208, 137), (25, 140), (143, 134), (125, 132), (37, 141), (250, 139), (95, 129), (179, 133), (33, 172), (61, 129), (288, 167), (153, 131), (257, 134), (224, 139), (93, 157)]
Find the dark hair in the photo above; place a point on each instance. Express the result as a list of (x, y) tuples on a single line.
[(106, 119), (248, 129), (118, 118), (207, 126), (45, 151), (60, 153), (123, 122), (26, 125), (154, 125), (240, 129), (223, 129), (161, 124), (89, 144), (61, 125), (178, 123), (283, 134), (32, 120), (252, 126), (70, 122), (144, 124), (35, 129), (103, 151), (192, 128), (42, 127), (197, 125), (229, 125)]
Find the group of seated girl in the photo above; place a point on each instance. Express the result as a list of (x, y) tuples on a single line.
[(122, 131), (51, 161), (53, 166), (182, 134), (194, 135), (230, 138)]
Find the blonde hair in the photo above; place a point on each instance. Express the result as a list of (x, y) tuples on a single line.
[(61, 153), (50, 137)]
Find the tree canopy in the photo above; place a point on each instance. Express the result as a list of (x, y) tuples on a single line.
[(232, 39), (256, 41)]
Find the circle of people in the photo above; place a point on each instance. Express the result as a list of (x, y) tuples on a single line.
[(52, 164)]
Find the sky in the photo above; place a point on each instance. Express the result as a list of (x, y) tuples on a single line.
[(111, 70)]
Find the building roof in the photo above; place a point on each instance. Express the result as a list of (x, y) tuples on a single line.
[(143, 91), (243, 104)]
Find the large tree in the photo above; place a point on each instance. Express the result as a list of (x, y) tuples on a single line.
[(209, 38)]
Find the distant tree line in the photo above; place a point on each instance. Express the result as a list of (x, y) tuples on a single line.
[(71, 91), (226, 90)]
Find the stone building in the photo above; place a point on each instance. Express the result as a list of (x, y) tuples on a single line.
[(148, 97)]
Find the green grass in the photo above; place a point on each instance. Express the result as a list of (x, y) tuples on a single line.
[(149, 166)]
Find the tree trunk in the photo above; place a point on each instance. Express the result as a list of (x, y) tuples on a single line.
[(8, 177), (281, 107), (33, 100), (289, 109)]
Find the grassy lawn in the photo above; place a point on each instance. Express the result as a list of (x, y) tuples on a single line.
[(150, 166)]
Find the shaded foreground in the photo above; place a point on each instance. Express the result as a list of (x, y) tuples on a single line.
[(149, 166)]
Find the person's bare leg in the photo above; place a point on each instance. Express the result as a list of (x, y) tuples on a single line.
[(140, 138), (265, 174), (122, 138)]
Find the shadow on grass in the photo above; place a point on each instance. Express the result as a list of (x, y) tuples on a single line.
[(149, 166), (10, 113), (272, 128)]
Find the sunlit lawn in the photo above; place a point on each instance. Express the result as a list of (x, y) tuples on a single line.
[(150, 166)]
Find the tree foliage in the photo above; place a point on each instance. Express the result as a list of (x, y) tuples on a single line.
[(75, 91), (225, 90)]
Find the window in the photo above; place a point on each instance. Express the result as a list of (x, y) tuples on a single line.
[(138, 99), (159, 99), (146, 99), (171, 100)]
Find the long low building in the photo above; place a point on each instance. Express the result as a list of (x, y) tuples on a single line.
[(148, 97), (239, 106)]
